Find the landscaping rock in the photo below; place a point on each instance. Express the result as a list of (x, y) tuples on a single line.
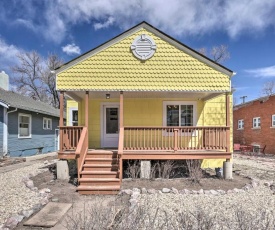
[(136, 190), (151, 191), (13, 221), (127, 191), (184, 191), (222, 192), (201, 191), (55, 199), (166, 190), (143, 190), (27, 213), (135, 195), (213, 192), (175, 191), (29, 184)]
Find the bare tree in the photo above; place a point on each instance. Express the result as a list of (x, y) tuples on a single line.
[(33, 77), (268, 88), (218, 53)]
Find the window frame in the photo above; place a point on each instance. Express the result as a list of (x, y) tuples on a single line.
[(273, 121), (71, 121), (47, 123), (257, 124), (179, 103), (241, 121), (30, 125)]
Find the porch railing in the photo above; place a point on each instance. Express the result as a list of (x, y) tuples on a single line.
[(69, 137), (176, 138), (82, 149)]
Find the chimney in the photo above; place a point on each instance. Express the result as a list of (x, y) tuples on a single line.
[(4, 80)]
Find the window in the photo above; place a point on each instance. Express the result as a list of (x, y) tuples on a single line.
[(179, 113), (256, 122), (273, 120), (74, 117), (24, 125), (240, 124), (47, 123)]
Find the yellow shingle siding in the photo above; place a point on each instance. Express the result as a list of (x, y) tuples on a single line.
[(116, 68)]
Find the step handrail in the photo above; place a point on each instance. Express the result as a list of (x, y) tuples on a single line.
[(82, 149)]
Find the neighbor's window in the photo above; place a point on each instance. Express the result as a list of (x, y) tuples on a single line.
[(240, 124), (24, 125), (47, 123), (256, 122), (273, 120), (179, 114)]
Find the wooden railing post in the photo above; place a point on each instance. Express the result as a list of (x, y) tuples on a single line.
[(61, 120), (176, 139), (227, 123)]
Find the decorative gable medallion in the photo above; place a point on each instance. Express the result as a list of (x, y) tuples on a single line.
[(143, 47)]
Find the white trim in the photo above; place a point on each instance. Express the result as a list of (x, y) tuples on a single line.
[(4, 105), (240, 128), (5, 132), (257, 126), (71, 115), (165, 103), (47, 121), (30, 125), (272, 119), (155, 32), (102, 105)]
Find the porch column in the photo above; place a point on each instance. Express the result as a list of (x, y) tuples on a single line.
[(121, 110), (227, 101), (61, 119), (87, 109), (227, 165), (61, 109), (120, 147)]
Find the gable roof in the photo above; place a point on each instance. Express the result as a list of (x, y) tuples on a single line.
[(153, 30), (173, 68), (11, 99)]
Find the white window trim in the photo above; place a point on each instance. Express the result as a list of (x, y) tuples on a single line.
[(71, 115), (272, 119), (30, 125), (242, 124), (256, 127), (164, 113), (47, 120)]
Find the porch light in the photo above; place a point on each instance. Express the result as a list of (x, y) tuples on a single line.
[(108, 96)]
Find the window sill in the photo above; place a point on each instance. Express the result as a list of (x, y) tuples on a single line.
[(272, 127), (29, 137), (241, 129), (256, 128)]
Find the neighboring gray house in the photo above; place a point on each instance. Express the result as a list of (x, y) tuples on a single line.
[(27, 127)]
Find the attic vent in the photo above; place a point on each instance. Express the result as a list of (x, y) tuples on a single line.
[(143, 47)]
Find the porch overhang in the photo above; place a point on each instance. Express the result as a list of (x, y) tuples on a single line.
[(195, 95)]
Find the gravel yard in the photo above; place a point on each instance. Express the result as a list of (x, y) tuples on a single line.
[(253, 207)]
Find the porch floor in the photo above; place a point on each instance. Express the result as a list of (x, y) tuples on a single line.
[(155, 154)]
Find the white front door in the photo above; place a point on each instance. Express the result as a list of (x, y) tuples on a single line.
[(110, 126)]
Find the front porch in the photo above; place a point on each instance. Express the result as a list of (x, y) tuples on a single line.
[(138, 142)]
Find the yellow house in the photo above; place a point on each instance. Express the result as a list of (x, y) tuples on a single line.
[(142, 95)]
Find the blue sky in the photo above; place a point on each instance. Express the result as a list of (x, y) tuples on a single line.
[(70, 28)]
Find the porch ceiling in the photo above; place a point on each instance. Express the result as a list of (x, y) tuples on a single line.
[(79, 95)]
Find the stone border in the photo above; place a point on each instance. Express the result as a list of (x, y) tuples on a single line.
[(136, 192), (45, 195)]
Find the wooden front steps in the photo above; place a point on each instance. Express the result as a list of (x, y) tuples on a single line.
[(100, 173)]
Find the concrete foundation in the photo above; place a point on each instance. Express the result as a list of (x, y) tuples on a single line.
[(62, 170), (145, 169), (227, 170)]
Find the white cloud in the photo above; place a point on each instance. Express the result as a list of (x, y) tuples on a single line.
[(8, 55), (182, 18), (106, 24), (71, 49), (265, 72)]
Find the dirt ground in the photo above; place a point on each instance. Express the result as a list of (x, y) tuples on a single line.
[(66, 192)]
